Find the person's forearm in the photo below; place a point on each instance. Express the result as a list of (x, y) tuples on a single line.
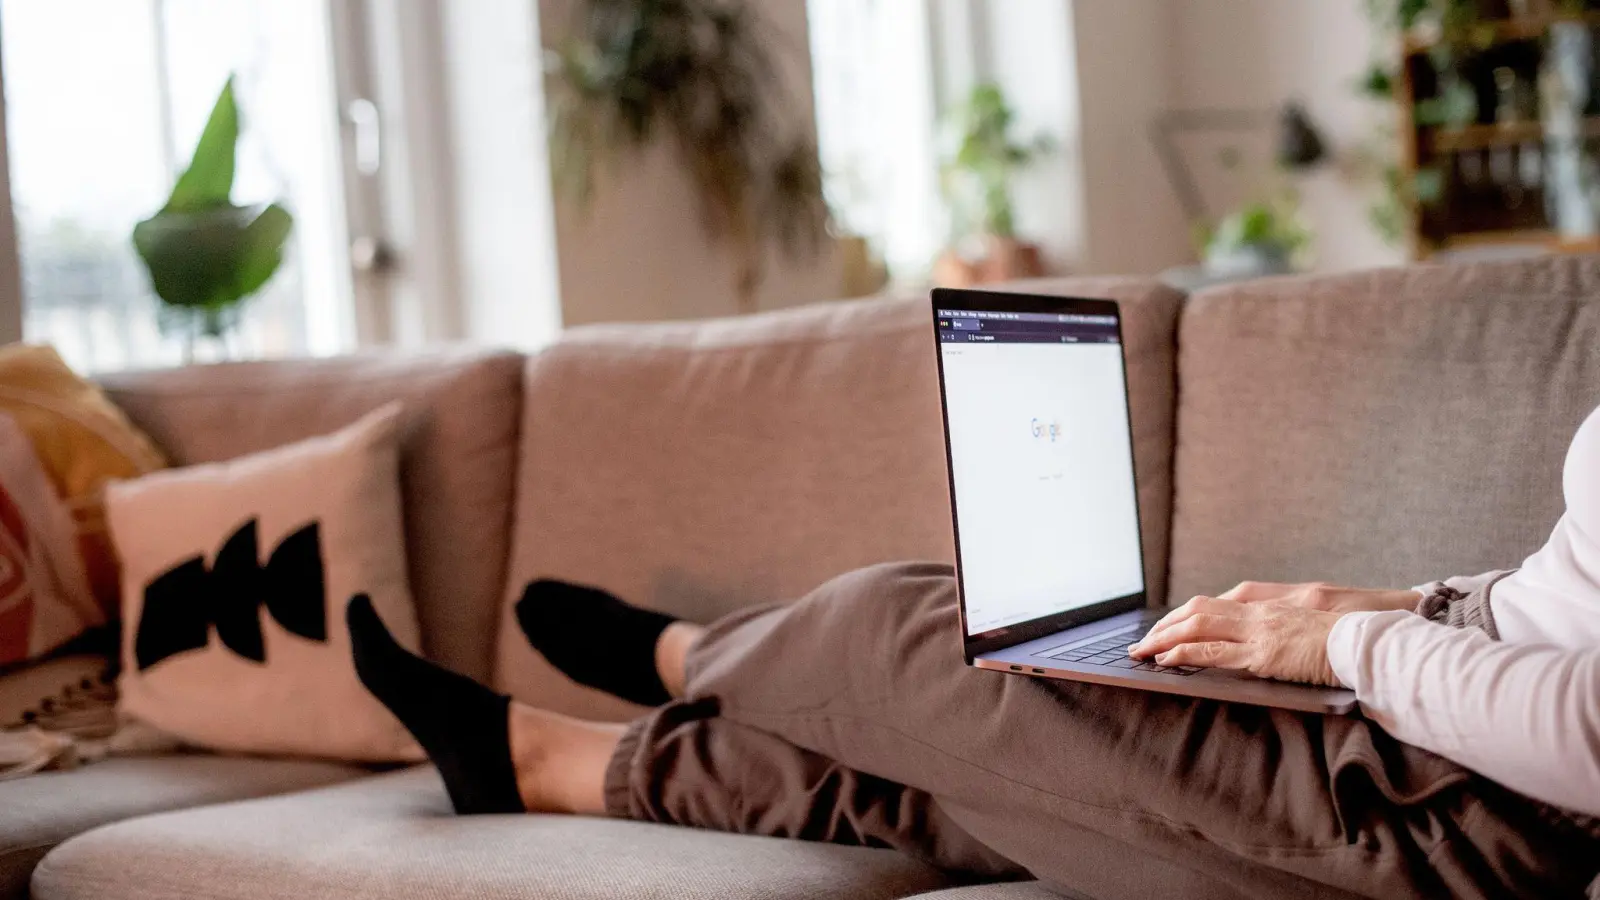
[(1525, 715)]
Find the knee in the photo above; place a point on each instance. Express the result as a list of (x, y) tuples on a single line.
[(896, 590), (885, 579)]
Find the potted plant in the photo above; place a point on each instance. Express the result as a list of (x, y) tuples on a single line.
[(1262, 238), (205, 254), (700, 75), (979, 166)]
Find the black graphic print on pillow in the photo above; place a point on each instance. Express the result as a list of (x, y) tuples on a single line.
[(182, 604)]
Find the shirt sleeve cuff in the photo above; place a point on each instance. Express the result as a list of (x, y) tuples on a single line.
[(1344, 647), (1352, 645)]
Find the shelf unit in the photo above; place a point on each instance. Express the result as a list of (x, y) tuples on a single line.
[(1486, 175), (1504, 30)]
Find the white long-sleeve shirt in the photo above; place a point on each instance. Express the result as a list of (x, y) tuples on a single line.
[(1524, 710)]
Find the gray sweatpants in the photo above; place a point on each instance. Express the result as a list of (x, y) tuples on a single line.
[(850, 717)]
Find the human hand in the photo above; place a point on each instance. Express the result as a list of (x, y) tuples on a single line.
[(1267, 639), (1319, 595)]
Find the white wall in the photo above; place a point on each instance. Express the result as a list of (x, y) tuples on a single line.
[(1126, 75), (1260, 53), (639, 251)]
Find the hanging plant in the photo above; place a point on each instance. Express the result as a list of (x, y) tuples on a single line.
[(699, 75)]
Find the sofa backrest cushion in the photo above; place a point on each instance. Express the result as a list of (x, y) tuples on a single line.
[(698, 468), (458, 450), (1382, 428)]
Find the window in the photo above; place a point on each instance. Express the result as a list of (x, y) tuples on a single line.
[(104, 100), (873, 74)]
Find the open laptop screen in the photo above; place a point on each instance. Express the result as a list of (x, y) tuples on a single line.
[(1041, 459)]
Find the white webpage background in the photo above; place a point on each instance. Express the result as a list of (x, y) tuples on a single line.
[(1047, 522)]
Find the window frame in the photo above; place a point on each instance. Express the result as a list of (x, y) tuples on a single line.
[(10, 259)]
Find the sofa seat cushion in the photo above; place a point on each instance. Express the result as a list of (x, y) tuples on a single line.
[(1020, 890), (394, 836), (41, 811)]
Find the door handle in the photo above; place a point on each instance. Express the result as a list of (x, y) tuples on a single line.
[(371, 255), (366, 126)]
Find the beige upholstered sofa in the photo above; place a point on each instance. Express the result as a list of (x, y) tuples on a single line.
[(1380, 428)]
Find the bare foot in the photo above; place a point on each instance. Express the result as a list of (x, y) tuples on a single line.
[(672, 652), (561, 761)]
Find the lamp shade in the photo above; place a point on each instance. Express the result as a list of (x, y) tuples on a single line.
[(1299, 144)]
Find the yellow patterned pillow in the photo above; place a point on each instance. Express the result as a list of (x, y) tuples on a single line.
[(83, 441)]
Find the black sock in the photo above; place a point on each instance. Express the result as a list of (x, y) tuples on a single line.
[(595, 639), (459, 722)]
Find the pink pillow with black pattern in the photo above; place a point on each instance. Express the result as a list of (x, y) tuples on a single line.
[(45, 599)]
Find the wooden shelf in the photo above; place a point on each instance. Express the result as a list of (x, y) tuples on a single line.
[(1478, 137), (1502, 31), (1548, 241), (1481, 137), (1530, 236), (1537, 240), (1462, 222)]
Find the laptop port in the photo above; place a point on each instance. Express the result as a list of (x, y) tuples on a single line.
[(1038, 671), (1016, 668)]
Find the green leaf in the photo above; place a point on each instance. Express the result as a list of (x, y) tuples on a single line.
[(1409, 12), (209, 179), (261, 251), (203, 253), (1270, 223), (986, 157), (1427, 185), (1378, 82), (214, 258)]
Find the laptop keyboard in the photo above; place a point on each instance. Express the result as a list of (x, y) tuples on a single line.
[(1111, 651)]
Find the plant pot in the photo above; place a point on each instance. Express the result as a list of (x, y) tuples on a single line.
[(1247, 261), (862, 274), (951, 270), (1005, 259), (1008, 259)]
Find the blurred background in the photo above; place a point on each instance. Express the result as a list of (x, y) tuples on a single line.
[(497, 170)]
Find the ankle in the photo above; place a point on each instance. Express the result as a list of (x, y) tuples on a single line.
[(560, 762), (672, 655)]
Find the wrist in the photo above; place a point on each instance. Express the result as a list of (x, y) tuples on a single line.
[(1401, 600), (1349, 600)]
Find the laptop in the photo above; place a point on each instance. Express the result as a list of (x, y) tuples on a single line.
[(1044, 500)]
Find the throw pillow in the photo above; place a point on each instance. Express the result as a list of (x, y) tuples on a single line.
[(44, 594), (235, 581), (83, 441)]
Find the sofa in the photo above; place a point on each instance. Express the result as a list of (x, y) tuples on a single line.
[(1379, 428)]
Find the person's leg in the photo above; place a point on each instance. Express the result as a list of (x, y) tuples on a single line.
[(496, 755), (672, 655), (1108, 791), (685, 765), (566, 623)]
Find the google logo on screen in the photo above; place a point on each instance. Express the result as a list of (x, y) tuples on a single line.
[(1042, 430)]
